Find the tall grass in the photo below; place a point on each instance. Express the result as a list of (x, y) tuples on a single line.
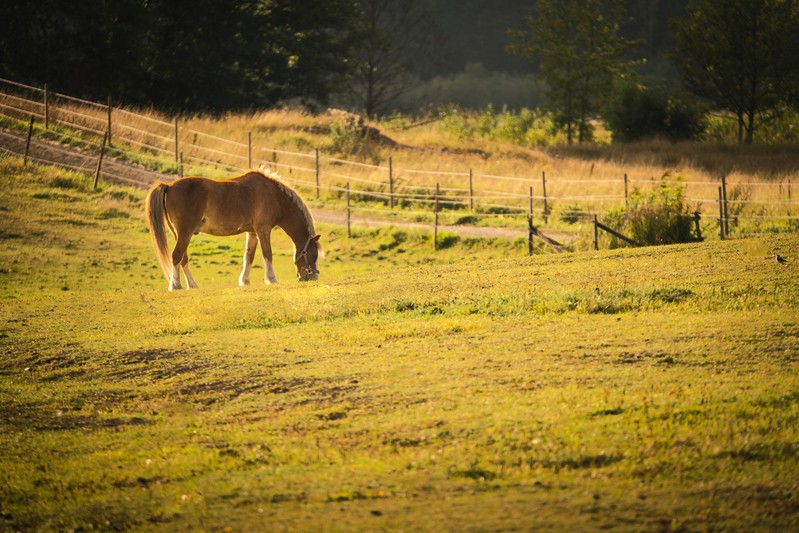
[(507, 153)]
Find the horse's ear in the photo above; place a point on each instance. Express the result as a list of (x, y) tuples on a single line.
[(319, 249)]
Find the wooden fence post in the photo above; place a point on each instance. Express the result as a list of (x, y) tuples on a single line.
[(180, 167), (435, 221), (390, 182), (249, 149), (626, 201), (100, 161), (177, 143), (726, 214), (471, 192), (698, 227), (530, 233), (530, 211), (544, 188), (28, 143), (109, 121), (46, 108), (316, 159), (721, 214), (349, 230), (598, 225), (596, 233)]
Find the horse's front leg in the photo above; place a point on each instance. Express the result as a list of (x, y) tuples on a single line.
[(266, 249), (249, 257)]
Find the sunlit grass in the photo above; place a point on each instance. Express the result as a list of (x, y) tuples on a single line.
[(473, 388)]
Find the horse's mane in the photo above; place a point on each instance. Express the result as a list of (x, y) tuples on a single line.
[(274, 177)]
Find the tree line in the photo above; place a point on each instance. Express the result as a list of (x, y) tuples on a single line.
[(182, 55), (596, 57), (738, 56)]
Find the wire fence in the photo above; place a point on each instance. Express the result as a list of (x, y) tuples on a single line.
[(170, 145)]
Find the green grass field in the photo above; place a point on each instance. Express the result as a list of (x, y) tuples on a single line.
[(469, 389)]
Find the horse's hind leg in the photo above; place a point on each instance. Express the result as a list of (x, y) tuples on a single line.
[(180, 258), (189, 278), (249, 257)]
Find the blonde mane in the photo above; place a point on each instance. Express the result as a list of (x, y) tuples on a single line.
[(274, 177)]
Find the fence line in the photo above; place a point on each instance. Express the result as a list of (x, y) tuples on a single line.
[(45, 108)]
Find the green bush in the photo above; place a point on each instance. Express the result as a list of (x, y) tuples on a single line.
[(349, 137), (637, 113), (571, 215), (525, 127), (656, 216)]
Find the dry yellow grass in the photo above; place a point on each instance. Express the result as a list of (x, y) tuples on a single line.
[(762, 181)]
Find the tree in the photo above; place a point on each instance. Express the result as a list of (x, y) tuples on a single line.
[(579, 49), (182, 55), (393, 34), (636, 112), (741, 55), (79, 47)]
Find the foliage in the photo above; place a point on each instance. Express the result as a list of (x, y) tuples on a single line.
[(579, 50), (656, 216), (525, 127), (474, 88), (181, 56), (741, 55), (350, 137), (394, 34), (781, 126), (636, 112), (571, 215)]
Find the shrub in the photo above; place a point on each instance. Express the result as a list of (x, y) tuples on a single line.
[(657, 216), (638, 113), (447, 240), (349, 137), (525, 127), (571, 215)]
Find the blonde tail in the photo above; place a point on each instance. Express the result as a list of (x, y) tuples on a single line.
[(155, 212)]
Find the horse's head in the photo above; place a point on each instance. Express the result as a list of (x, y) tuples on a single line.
[(305, 259)]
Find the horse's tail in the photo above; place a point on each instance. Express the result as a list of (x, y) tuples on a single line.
[(155, 210)]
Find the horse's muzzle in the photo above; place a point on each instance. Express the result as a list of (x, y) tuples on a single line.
[(309, 275)]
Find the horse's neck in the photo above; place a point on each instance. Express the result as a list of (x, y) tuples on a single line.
[(296, 227)]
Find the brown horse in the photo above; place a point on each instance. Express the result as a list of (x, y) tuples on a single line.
[(253, 203)]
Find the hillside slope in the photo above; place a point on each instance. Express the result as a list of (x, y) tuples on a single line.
[(469, 389)]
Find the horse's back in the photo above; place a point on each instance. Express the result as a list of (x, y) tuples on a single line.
[(219, 207)]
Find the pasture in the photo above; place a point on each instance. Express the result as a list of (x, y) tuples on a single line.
[(474, 388)]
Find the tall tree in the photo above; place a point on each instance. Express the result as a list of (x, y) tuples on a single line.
[(181, 55), (579, 49), (741, 55), (393, 35)]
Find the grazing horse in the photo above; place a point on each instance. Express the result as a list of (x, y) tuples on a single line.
[(253, 203)]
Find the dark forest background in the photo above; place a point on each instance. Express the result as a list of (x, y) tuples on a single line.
[(218, 56), (378, 57)]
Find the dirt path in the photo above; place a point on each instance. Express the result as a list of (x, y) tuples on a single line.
[(125, 173)]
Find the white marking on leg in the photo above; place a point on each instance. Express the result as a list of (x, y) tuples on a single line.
[(175, 285), (244, 279), (269, 276), (249, 254), (189, 278)]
